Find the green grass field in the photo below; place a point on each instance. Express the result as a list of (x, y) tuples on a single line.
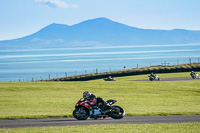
[(128, 128), (57, 99)]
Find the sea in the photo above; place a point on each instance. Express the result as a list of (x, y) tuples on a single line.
[(24, 65)]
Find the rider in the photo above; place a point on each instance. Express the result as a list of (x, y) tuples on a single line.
[(192, 72), (91, 99), (110, 78), (152, 75)]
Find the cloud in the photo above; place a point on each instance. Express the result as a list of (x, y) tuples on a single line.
[(55, 3)]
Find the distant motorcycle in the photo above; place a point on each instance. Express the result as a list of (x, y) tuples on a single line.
[(110, 79), (107, 79), (154, 78), (82, 112), (195, 75)]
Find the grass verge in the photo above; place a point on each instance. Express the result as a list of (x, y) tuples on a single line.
[(57, 99), (124, 128)]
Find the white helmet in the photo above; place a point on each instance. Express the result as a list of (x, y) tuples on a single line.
[(86, 94)]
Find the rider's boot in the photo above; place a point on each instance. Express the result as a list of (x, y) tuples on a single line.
[(91, 112)]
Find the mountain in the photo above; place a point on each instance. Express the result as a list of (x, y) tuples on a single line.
[(100, 32)]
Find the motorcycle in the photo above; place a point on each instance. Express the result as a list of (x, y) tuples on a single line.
[(82, 111), (107, 79), (194, 76), (110, 79), (153, 78)]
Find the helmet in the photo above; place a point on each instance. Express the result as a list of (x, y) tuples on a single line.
[(86, 94), (192, 71)]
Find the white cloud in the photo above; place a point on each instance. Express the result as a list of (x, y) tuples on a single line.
[(55, 3)]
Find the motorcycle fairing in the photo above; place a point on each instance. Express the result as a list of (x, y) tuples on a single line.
[(84, 104)]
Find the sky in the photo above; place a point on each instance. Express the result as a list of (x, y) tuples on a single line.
[(19, 18)]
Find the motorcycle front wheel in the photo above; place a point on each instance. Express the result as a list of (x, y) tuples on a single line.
[(80, 114), (117, 112), (151, 79)]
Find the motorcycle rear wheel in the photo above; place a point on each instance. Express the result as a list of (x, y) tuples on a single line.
[(117, 112), (80, 116)]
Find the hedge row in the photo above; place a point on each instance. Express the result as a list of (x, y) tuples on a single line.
[(134, 71)]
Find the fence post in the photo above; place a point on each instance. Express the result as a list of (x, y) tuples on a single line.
[(65, 74), (190, 60), (96, 70)]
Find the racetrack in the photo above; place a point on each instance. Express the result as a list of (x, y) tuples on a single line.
[(171, 79), (16, 123)]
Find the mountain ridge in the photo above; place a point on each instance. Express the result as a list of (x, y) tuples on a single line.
[(100, 32)]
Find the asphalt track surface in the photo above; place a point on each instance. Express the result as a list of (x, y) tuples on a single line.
[(21, 123), (171, 79)]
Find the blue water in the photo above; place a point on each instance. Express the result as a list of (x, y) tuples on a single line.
[(27, 64)]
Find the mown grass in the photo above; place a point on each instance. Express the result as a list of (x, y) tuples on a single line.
[(57, 99), (123, 128)]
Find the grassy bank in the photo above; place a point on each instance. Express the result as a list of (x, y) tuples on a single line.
[(57, 99), (128, 128), (134, 71)]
